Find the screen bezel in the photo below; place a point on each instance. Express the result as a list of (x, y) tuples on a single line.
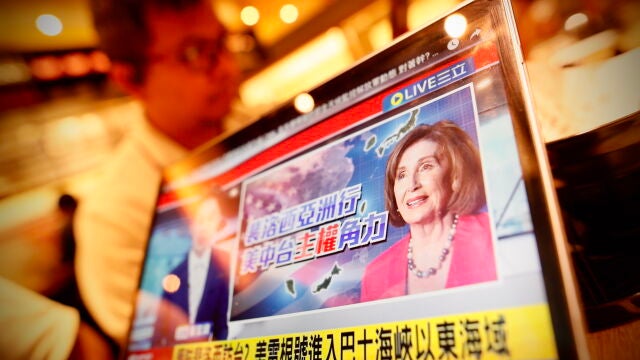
[(562, 295)]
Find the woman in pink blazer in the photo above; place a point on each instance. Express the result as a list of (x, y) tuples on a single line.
[(434, 184)]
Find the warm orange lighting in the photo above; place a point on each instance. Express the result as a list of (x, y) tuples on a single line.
[(100, 62), (76, 64), (575, 21), (542, 11), (250, 15), (227, 12), (303, 69), (62, 136), (455, 25), (171, 283), (241, 43), (13, 72), (289, 13), (380, 34), (46, 68), (423, 12), (49, 25)]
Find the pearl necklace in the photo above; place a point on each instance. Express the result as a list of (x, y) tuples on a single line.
[(443, 256)]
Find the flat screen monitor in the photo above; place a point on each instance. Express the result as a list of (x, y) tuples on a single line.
[(409, 215)]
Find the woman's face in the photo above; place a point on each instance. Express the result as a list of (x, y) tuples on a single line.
[(420, 191)]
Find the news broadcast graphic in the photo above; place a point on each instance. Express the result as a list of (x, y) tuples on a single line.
[(310, 226)]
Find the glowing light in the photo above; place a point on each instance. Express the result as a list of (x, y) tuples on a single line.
[(100, 61), (380, 34), (49, 25), (62, 135), (46, 68), (455, 25), (241, 43), (14, 72), (303, 69), (171, 283), (304, 103), (227, 12), (289, 13), (76, 64), (575, 21), (542, 11), (484, 83), (250, 15), (93, 126)]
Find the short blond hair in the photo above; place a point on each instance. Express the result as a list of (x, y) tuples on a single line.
[(458, 150)]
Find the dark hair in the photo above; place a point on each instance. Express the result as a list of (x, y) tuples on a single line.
[(464, 172), (122, 28)]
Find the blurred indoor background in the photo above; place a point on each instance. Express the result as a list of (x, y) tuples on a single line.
[(60, 117)]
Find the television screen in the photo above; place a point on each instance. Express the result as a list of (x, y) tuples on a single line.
[(407, 216)]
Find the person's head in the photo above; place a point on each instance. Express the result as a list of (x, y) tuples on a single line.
[(172, 56), (208, 220), (435, 169), (208, 217)]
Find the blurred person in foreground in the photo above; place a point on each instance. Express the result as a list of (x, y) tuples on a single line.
[(36, 327), (171, 56)]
